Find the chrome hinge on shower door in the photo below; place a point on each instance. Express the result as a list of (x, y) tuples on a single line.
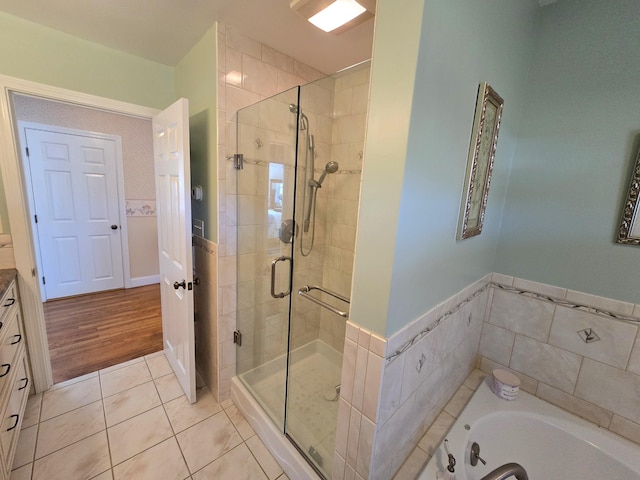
[(237, 338), (238, 161)]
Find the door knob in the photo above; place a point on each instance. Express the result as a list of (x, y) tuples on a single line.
[(114, 227), (182, 284)]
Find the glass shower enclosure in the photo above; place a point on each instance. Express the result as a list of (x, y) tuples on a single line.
[(296, 215)]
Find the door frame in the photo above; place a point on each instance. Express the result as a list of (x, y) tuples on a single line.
[(122, 207), (13, 180)]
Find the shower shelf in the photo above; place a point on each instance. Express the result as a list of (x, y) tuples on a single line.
[(306, 290)]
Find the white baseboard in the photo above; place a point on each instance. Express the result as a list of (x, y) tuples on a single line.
[(142, 281)]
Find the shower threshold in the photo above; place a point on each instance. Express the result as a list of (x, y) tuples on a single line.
[(259, 394)]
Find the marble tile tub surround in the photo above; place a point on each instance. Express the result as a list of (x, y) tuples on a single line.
[(392, 390), (532, 329), (132, 421)]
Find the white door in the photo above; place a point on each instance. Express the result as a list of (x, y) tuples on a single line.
[(173, 199), (75, 195)]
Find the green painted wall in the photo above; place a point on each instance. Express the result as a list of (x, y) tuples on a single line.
[(196, 79), (577, 144), (395, 50), (416, 150), (32, 52)]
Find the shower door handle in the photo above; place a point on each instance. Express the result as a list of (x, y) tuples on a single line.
[(273, 278)]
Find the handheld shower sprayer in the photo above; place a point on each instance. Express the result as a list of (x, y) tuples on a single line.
[(330, 167)]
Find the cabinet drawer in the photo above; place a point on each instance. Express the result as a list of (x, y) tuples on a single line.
[(9, 300), (10, 342), (12, 418)]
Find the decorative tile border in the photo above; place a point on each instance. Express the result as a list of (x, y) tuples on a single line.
[(518, 291), (566, 303), (141, 208), (435, 323)]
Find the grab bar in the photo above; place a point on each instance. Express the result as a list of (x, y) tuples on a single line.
[(304, 292)]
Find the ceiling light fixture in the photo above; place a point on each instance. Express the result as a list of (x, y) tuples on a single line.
[(335, 16)]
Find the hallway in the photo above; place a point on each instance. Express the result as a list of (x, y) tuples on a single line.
[(132, 421), (98, 330)]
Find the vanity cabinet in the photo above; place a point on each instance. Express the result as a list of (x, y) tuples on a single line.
[(14, 375)]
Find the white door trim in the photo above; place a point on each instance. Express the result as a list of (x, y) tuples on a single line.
[(122, 205), (13, 180)]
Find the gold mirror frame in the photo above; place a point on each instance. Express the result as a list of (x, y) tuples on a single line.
[(629, 233), (482, 150)]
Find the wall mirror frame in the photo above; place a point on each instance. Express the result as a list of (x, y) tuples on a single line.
[(482, 151), (629, 230)]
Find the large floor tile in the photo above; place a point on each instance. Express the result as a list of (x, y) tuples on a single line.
[(124, 378), (62, 400), (132, 436), (238, 463), (208, 440), (69, 428), (238, 420), (82, 460), (183, 415), (162, 461), (124, 405), (264, 458), (158, 365), (22, 473), (26, 447), (168, 387), (32, 412)]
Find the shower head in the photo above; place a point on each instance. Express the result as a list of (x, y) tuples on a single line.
[(304, 121), (330, 167)]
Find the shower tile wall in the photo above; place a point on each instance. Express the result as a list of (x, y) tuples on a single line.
[(351, 94), (248, 71), (533, 328), (205, 301)]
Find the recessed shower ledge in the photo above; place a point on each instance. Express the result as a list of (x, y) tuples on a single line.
[(280, 447)]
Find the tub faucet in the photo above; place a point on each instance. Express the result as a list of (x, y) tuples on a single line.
[(507, 470)]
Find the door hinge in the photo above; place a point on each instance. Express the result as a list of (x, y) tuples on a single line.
[(36, 218), (44, 281), (27, 150), (238, 161), (33, 272), (237, 338)]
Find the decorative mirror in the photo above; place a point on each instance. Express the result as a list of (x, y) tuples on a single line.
[(482, 150), (629, 231)]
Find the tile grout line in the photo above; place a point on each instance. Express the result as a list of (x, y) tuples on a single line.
[(106, 425)]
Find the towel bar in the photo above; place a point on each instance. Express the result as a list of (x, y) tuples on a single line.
[(305, 292)]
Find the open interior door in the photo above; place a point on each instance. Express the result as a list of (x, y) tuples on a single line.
[(173, 198)]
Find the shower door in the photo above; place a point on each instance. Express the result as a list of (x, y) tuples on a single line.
[(267, 138), (288, 265)]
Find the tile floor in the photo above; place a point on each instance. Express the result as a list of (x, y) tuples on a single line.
[(132, 421)]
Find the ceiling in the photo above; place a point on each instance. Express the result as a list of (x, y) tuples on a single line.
[(165, 30)]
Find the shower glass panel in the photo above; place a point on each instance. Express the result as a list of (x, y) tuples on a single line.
[(267, 136), (296, 221)]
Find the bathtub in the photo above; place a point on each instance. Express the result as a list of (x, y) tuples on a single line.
[(548, 442)]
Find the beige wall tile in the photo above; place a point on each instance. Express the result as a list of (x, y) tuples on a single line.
[(496, 343), (626, 428), (545, 363), (634, 360), (577, 406), (602, 303), (521, 314), (616, 337), (610, 388)]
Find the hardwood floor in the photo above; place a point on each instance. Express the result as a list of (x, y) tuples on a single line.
[(98, 330)]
